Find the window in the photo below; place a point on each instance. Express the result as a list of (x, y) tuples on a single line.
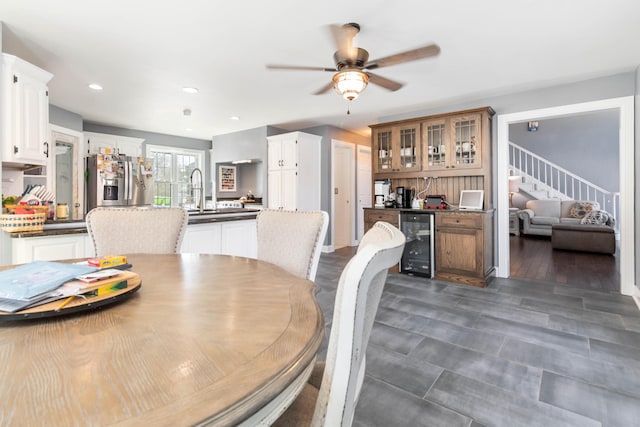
[(172, 168)]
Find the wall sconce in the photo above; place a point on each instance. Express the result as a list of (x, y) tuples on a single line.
[(532, 126)]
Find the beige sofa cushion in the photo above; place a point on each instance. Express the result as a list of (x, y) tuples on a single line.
[(545, 207), (545, 220)]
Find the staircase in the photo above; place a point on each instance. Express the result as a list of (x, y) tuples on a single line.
[(542, 179)]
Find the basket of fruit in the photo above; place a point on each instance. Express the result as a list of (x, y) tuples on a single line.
[(16, 222)]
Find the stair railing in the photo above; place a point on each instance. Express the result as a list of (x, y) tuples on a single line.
[(559, 180)]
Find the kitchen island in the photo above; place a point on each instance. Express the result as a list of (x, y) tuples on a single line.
[(229, 231)]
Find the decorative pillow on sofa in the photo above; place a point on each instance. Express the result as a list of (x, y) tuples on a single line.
[(598, 217), (580, 209)]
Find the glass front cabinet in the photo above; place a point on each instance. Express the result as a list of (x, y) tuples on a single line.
[(397, 149), (453, 142)]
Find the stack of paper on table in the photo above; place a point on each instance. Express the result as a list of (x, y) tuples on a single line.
[(41, 282)]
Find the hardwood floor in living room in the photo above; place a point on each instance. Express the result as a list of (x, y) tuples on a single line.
[(532, 257)]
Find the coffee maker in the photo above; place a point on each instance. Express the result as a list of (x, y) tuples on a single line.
[(381, 189)]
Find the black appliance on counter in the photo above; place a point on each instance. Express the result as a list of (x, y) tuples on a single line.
[(418, 255)]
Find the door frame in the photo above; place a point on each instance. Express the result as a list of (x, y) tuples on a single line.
[(335, 143), (625, 106), (369, 184), (76, 138)]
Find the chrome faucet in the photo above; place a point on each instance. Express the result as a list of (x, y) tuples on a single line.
[(200, 189)]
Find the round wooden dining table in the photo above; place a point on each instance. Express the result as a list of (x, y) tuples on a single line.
[(207, 340)]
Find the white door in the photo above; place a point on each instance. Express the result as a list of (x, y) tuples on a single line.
[(363, 178), (343, 167)]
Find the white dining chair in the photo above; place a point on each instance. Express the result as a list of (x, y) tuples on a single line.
[(329, 398), (292, 239), (121, 230)]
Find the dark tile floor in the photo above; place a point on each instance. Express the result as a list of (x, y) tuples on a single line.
[(517, 353)]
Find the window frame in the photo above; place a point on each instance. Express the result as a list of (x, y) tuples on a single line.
[(174, 151)]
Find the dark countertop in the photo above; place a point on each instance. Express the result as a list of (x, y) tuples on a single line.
[(67, 227), (430, 210)]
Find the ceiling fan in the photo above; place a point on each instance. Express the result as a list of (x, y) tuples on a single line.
[(352, 70)]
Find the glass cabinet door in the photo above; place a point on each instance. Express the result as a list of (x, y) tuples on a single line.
[(466, 134), (409, 147), (383, 150), (435, 144)]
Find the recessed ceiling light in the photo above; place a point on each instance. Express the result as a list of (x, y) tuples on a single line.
[(235, 117), (188, 129), (95, 86), (190, 89)]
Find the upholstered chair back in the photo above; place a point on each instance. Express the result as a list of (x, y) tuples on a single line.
[(292, 239), (332, 402), (121, 230)]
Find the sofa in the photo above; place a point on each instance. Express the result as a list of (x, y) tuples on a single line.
[(577, 225), (540, 215)]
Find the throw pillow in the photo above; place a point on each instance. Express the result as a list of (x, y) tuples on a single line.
[(596, 217), (580, 209)]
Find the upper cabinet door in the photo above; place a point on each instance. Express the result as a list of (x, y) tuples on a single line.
[(408, 147), (25, 112), (467, 141), (434, 140), (382, 150)]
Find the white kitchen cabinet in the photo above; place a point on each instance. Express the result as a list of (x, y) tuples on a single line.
[(102, 142), (293, 180), (24, 112), (202, 238), (237, 238), (50, 248)]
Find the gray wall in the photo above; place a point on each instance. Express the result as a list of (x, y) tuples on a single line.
[(329, 133), (586, 145), (65, 118), (247, 144), (153, 138), (570, 93)]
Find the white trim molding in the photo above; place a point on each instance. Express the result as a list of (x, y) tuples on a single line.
[(625, 105)]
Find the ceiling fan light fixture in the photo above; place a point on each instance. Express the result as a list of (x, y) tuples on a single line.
[(349, 83)]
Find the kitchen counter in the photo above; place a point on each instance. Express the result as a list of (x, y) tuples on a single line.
[(64, 227), (428, 210)]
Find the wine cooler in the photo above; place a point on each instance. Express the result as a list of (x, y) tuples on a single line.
[(418, 256)]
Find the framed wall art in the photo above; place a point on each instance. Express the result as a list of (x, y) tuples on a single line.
[(227, 178)]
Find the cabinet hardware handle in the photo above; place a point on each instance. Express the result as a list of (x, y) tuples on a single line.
[(46, 149), (15, 149)]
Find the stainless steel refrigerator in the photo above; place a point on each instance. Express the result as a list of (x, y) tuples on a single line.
[(118, 180)]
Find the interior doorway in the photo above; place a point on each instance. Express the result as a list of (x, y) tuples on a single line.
[(627, 197), (67, 169), (343, 158)]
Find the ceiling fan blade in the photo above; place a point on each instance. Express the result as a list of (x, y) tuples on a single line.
[(324, 89), (386, 83), (398, 58), (298, 67)]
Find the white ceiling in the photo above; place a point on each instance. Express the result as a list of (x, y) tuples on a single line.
[(144, 52)]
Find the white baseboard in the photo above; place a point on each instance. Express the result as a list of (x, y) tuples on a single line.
[(636, 296), (328, 249)]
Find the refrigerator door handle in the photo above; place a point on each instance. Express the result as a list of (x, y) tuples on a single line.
[(129, 181)]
